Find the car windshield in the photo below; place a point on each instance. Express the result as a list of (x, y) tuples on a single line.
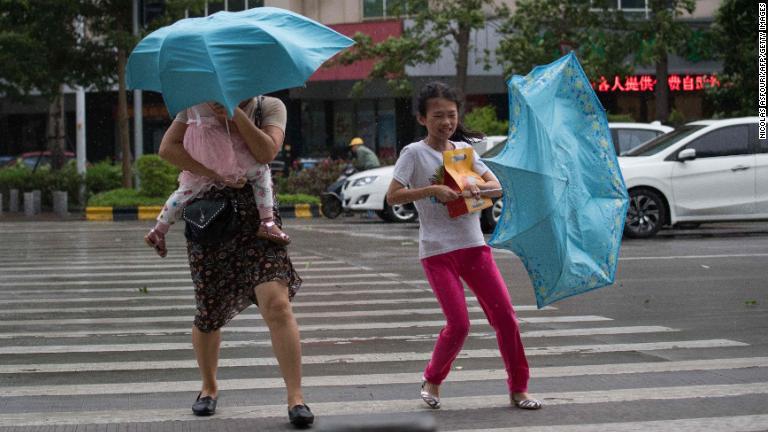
[(663, 142)]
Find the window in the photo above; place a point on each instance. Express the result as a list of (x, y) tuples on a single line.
[(628, 139), (627, 5), (727, 141), (663, 142), (392, 8), (754, 136)]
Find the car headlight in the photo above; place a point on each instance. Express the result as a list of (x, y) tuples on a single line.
[(363, 181)]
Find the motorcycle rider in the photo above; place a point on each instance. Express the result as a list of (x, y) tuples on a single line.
[(365, 158)]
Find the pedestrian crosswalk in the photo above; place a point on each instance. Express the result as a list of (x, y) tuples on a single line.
[(95, 332)]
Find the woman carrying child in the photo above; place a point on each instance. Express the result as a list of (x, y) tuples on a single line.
[(251, 268)]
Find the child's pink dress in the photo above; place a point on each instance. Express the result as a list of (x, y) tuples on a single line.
[(231, 160)]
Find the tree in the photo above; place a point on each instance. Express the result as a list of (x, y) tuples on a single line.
[(483, 119), (41, 51), (662, 34), (541, 31), (110, 27), (735, 44), (436, 24)]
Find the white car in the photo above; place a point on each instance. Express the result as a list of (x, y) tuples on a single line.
[(367, 190), (713, 170), (627, 136)]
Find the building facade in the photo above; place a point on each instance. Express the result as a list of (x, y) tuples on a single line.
[(322, 115)]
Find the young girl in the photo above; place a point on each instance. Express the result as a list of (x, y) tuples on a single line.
[(207, 125), (454, 249)]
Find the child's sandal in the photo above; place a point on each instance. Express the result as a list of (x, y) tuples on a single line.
[(156, 240), (271, 232)]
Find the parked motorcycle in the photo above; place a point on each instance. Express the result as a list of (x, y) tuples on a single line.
[(331, 204)]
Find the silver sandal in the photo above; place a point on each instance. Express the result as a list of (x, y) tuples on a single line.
[(428, 398), (527, 404)]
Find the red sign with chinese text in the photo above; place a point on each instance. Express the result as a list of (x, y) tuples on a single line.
[(640, 83)]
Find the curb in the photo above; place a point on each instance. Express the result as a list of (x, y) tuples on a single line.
[(303, 211)]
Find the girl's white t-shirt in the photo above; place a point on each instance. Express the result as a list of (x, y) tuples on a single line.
[(419, 165)]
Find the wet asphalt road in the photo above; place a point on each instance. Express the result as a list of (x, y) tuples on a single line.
[(94, 335)]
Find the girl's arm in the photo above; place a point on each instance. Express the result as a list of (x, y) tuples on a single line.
[(399, 194), (264, 144), (491, 182)]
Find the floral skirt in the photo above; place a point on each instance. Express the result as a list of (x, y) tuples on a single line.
[(226, 274)]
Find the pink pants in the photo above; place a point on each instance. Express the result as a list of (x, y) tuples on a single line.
[(478, 269)]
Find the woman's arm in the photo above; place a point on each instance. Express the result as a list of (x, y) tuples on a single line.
[(172, 150), (264, 144), (399, 194)]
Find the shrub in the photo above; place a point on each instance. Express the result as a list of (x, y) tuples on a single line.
[(483, 119), (290, 199), (103, 177), (157, 177), (626, 118), (124, 198), (43, 179), (676, 118), (313, 181)]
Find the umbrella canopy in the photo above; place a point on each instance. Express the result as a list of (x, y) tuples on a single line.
[(564, 197), (231, 56)]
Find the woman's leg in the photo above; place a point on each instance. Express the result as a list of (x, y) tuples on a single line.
[(207, 352), (276, 309), (444, 279), (484, 279)]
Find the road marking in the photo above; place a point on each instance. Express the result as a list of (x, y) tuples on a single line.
[(363, 357), (59, 276), (125, 281), (745, 423), (358, 234), (169, 346), (190, 290), (303, 327), (246, 316), (164, 265), (656, 258), (668, 257), (388, 378), (393, 406)]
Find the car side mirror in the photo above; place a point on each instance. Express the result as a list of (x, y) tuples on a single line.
[(686, 155)]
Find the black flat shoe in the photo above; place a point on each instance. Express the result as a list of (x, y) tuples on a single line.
[(204, 406), (300, 416)]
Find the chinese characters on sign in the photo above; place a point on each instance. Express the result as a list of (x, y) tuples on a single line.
[(641, 83)]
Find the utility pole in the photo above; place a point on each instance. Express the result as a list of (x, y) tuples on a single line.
[(138, 110)]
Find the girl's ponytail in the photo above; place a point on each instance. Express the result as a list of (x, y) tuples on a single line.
[(437, 89)]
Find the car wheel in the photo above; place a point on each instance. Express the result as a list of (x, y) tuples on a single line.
[(398, 213), (489, 218), (646, 214), (330, 206)]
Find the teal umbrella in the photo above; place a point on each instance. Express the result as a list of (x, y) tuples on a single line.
[(564, 197), (228, 57)]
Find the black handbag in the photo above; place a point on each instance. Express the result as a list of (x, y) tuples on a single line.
[(210, 222)]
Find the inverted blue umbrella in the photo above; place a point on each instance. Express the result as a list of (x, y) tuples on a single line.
[(564, 197), (228, 57)]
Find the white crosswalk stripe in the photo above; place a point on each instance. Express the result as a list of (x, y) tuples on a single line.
[(74, 324)]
